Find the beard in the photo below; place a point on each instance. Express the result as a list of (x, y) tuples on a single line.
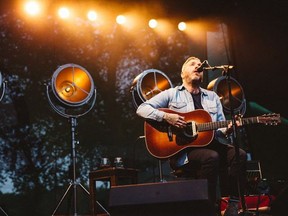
[(196, 81), (193, 80)]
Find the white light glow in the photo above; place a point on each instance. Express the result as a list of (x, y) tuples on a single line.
[(153, 23), (182, 26), (64, 13), (32, 8), (92, 15), (121, 19)]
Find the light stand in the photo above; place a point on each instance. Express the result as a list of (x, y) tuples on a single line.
[(73, 184), (71, 94)]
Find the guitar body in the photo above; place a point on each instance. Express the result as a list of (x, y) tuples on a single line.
[(164, 140)]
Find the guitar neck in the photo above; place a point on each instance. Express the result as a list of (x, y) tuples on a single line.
[(221, 124)]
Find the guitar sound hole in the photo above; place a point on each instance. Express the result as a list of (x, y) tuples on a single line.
[(187, 135), (183, 139), (189, 132)]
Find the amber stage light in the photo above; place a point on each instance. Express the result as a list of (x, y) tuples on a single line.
[(71, 94), (219, 85), (72, 89), (32, 8), (72, 85), (148, 84)]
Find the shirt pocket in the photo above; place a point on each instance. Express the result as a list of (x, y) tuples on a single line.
[(211, 108), (178, 106)]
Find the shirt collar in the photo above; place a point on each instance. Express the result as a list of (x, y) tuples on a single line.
[(202, 90)]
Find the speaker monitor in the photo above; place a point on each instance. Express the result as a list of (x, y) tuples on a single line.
[(179, 198)]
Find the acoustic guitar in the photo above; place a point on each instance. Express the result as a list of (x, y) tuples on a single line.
[(164, 140)]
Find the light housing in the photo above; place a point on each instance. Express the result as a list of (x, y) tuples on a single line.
[(72, 90), (220, 86), (148, 84)]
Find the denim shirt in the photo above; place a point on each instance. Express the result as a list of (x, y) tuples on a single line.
[(180, 100)]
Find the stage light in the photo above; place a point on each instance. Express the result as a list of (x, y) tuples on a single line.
[(72, 90), (120, 19), (220, 86), (92, 15), (32, 8), (63, 12), (72, 85), (71, 96), (153, 23), (182, 26), (148, 84)]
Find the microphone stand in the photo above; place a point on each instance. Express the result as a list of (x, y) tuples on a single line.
[(234, 140)]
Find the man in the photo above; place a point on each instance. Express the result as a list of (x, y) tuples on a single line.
[(216, 159)]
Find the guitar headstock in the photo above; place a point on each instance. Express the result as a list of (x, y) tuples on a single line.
[(270, 119)]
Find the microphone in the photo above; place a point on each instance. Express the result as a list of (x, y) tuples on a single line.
[(218, 67), (203, 66)]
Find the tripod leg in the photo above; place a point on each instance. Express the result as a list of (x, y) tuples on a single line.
[(62, 198), (84, 189), (2, 210), (102, 207)]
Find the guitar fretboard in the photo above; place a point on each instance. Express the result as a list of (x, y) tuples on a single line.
[(221, 124)]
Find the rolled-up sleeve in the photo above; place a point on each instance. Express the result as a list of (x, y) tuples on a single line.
[(150, 108)]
